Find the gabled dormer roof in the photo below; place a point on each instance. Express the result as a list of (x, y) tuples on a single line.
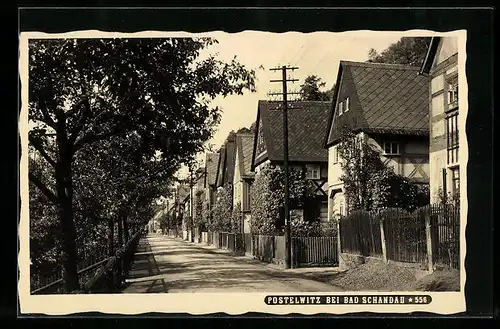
[(307, 122), (211, 166), (384, 99)]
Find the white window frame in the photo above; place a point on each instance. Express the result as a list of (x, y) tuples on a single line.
[(311, 169), (346, 105), (335, 155), (391, 145), (341, 108)]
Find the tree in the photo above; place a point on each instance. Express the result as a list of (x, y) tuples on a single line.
[(408, 51), (84, 91), (310, 89)]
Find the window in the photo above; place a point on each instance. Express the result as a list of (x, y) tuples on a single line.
[(246, 197), (341, 107), (312, 171), (341, 207), (335, 155), (455, 181), (453, 95), (452, 137), (391, 148), (346, 104)]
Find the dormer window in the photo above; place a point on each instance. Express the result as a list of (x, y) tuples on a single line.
[(346, 104), (391, 148), (341, 108)]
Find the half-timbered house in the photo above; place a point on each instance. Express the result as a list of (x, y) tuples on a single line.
[(307, 122), (387, 106), (446, 121)]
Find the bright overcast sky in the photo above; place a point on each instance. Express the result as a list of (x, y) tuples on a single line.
[(316, 53)]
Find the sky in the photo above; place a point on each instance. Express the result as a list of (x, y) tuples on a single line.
[(317, 53)]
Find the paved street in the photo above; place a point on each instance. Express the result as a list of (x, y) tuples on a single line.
[(165, 265)]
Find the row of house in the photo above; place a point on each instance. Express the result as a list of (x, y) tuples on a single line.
[(410, 114)]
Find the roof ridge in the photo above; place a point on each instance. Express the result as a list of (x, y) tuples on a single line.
[(381, 65)]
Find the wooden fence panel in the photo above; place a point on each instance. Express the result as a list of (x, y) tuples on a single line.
[(445, 233), (279, 248), (405, 236), (247, 241), (264, 248), (315, 251), (360, 234)]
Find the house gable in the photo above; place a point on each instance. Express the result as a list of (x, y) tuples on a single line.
[(387, 98), (237, 166), (352, 118), (221, 166), (260, 150)]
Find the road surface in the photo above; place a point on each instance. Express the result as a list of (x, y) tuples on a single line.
[(168, 265)]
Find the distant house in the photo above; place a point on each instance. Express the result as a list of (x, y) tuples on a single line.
[(307, 121), (210, 182), (387, 106), (243, 176), (183, 193), (198, 188), (441, 65)]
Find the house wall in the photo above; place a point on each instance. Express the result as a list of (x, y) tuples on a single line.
[(413, 158), (444, 71), (413, 162), (237, 183)]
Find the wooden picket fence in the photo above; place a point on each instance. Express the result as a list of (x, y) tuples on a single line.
[(306, 251), (401, 236), (314, 251)]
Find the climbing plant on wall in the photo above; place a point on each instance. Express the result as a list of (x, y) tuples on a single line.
[(268, 194)]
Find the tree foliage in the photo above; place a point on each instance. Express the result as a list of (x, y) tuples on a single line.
[(408, 51), (310, 89), (111, 118)]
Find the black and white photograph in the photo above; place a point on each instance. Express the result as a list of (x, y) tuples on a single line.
[(227, 172)]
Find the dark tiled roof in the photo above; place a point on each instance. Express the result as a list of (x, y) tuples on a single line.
[(244, 144), (211, 164), (307, 123), (392, 98)]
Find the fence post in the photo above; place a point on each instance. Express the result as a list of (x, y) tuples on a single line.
[(339, 244), (429, 239), (382, 239)]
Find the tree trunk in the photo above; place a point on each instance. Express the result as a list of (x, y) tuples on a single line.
[(111, 239), (119, 267), (126, 232), (64, 189)]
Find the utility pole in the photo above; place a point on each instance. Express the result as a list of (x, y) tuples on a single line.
[(286, 204), (191, 206)]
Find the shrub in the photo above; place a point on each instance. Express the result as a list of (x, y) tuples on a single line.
[(236, 219), (221, 213)]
